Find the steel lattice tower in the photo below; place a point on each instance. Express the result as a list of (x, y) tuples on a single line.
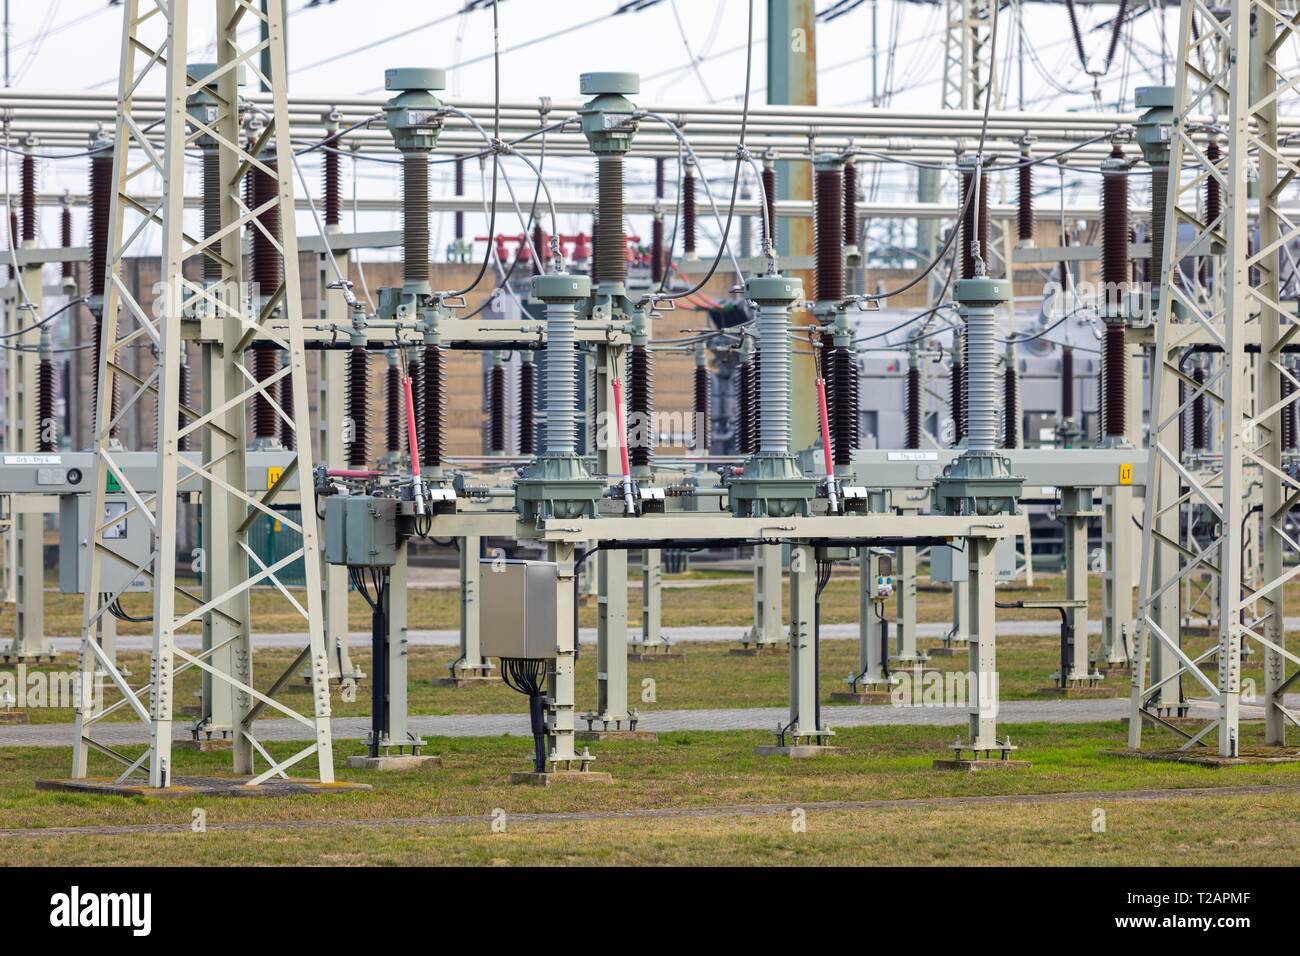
[(155, 40), (1244, 310)]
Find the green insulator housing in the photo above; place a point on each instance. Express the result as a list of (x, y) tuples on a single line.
[(609, 117)]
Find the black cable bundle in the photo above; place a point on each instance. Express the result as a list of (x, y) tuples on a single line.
[(527, 677), (379, 676)]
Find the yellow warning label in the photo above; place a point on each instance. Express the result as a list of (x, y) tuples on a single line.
[(274, 472), (1126, 474)]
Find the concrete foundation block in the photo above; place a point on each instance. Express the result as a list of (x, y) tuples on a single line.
[(551, 778), (980, 764), (397, 762), (797, 751)]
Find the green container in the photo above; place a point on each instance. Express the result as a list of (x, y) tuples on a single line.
[(271, 541)]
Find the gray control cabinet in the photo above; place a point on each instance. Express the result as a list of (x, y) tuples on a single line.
[(131, 537), (946, 562), (518, 617), (361, 531)]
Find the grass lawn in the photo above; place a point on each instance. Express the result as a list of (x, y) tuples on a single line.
[(690, 770), (709, 677)]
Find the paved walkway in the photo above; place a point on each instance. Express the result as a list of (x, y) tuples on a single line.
[(746, 718), (724, 635), (729, 634)]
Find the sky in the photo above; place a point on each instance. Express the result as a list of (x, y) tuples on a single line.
[(688, 52)]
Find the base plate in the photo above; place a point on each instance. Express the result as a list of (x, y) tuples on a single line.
[(534, 779)]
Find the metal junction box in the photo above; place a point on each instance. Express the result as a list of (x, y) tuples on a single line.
[(518, 609), (947, 562), (361, 531), (131, 537)]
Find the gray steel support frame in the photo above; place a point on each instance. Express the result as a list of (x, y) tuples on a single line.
[(804, 724), (27, 536), (870, 673), (1117, 578), (1235, 57), (471, 662), (332, 405), (156, 41), (768, 629), (560, 680), (1076, 589), (905, 594), (651, 635), (611, 565), (399, 733), (982, 672)]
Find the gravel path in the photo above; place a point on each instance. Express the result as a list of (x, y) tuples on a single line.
[(747, 718)]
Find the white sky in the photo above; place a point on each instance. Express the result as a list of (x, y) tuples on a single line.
[(73, 45)]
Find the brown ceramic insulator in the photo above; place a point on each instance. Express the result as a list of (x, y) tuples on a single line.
[(27, 187), (1115, 379), (755, 403), (769, 196), (1200, 419), (415, 218), (1067, 382), (527, 403), (267, 263), (211, 212), (459, 223), (65, 240), (540, 242), (393, 418), (702, 423), (913, 408), (266, 423), (744, 409), (497, 409), (1159, 197), (183, 442), (332, 186), (47, 439), (358, 411), (828, 225), (826, 363), (1114, 235), (1025, 202), (611, 247), (1213, 192), (845, 434), (688, 210), (1288, 415), (415, 369), (657, 250), (288, 436), (435, 407), (974, 222), (850, 204), (591, 264), (641, 400), (1010, 408)]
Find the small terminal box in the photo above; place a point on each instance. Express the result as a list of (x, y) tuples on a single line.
[(361, 531)]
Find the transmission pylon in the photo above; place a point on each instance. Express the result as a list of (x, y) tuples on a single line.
[(155, 40), (1244, 313)]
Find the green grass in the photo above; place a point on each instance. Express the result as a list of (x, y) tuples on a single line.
[(696, 769)]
